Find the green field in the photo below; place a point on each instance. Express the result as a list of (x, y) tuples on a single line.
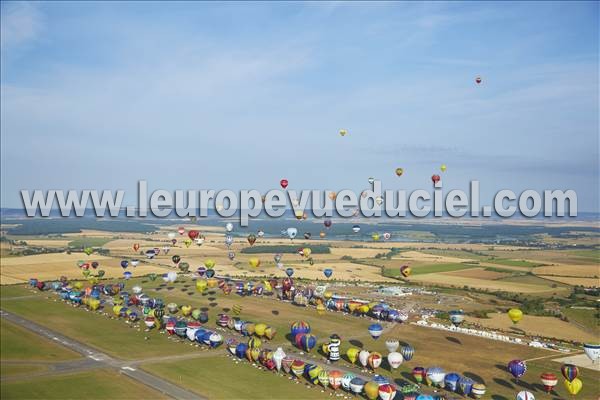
[(111, 336), (8, 369), (98, 384), (512, 263), (222, 377), (19, 344), (89, 242), (431, 268), (585, 317)]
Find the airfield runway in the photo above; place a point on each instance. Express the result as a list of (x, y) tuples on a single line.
[(96, 359)]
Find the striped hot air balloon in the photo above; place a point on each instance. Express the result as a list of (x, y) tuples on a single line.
[(236, 309), (549, 380), (569, 371)]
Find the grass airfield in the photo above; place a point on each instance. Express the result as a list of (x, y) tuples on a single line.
[(359, 268)]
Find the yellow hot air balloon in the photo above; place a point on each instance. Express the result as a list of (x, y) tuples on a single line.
[(399, 171), (254, 353), (254, 262), (306, 252), (515, 315), (327, 294), (299, 214), (320, 309), (209, 263), (343, 132), (375, 236), (250, 328), (325, 348), (201, 285), (93, 304), (270, 332), (116, 310), (363, 309), (187, 242), (212, 282), (443, 168), (78, 285), (352, 354), (574, 386), (371, 390), (259, 329), (254, 342), (267, 286), (186, 310)]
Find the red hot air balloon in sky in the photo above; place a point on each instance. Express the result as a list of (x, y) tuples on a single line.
[(435, 179), (193, 234), (284, 183), (478, 80)]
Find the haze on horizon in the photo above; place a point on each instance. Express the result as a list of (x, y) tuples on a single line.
[(241, 95)]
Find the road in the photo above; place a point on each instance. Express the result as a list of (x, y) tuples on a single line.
[(96, 359)]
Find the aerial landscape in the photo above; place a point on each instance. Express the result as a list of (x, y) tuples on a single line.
[(330, 292)]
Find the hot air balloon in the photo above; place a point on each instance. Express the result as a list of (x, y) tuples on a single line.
[(456, 317), (569, 371), (392, 345), (193, 234), (324, 378), (592, 351), (399, 171), (405, 270), (291, 233), (352, 354), (343, 132), (478, 390), (549, 380), (124, 264), (465, 384), (335, 379), (371, 390), (278, 357), (251, 239), (451, 381), (175, 259), (327, 223), (436, 376), (395, 359), (306, 341), (356, 385), (136, 246), (515, 315), (289, 272), (375, 236), (328, 272), (346, 379), (419, 373), (435, 179), (181, 230), (363, 357), (283, 183), (478, 80), (254, 262), (525, 395), (387, 391), (375, 330), (407, 352), (299, 327), (231, 255), (517, 368), (574, 386), (443, 168)]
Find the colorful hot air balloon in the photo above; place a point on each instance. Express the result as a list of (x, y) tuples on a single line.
[(465, 384), (387, 391), (306, 341), (451, 381), (419, 373), (549, 380), (517, 368), (374, 360), (436, 376), (569, 371), (375, 330), (515, 315), (574, 386), (283, 183)]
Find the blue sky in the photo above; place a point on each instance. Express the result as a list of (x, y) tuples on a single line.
[(241, 95)]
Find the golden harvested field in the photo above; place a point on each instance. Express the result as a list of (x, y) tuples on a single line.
[(533, 325), (355, 252), (478, 273), (424, 258), (587, 282), (446, 279), (580, 271), (52, 266)]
